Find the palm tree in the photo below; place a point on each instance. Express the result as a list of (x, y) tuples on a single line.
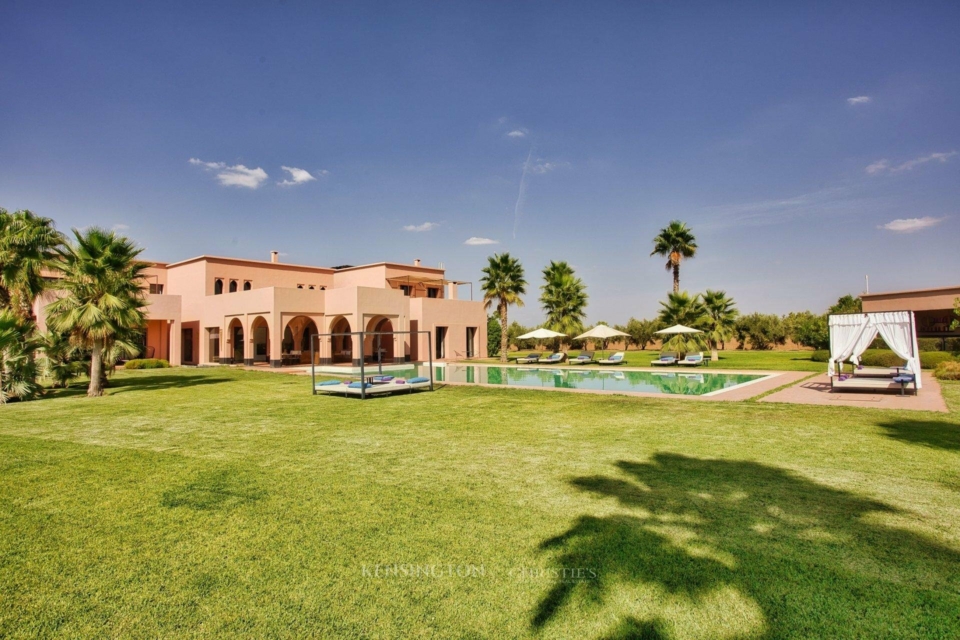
[(103, 297), (675, 242), (60, 359), (28, 243), (564, 299), (720, 319), (503, 282), (682, 308), (18, 366)]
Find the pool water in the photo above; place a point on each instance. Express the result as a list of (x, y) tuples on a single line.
[(672, 382)]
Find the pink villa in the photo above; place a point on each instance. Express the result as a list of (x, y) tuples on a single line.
[(212, 310)]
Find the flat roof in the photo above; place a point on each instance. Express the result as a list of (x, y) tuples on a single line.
[(268, 263), (936, 290)]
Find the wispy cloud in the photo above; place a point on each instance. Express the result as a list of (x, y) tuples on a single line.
[(477, 241), (120, 227), (909, 225), (297, 176), (426, 226), (517, 133), (859, 100), (884, 166), (830, 201), (234, 176), (541, 166)]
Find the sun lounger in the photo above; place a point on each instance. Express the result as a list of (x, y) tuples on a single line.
[(854, 383), (617, 358), (530, 359), (665, 359), (347, 388), (555, 358), (585, 357), (879, 372), (692, 360)]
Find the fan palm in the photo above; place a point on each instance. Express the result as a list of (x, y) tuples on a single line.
[(564, 299), (682, 308), (721, 316), (18, 367), (28, 243), (103, 297), (61, 358), (675, 242), (503, 282)]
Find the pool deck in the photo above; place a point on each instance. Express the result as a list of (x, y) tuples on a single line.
[(772, 380), (817, 391)]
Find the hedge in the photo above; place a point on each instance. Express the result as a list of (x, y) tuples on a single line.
[(948, 371), (887, 358), (147, 363)]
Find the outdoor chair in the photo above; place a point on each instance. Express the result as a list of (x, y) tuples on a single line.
[(617, 358), (665, 359), (555, 358), (692, 360), (585, 357), (530, 359)]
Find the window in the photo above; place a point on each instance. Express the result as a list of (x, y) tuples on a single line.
[(471, 338), (432, 292), (233, 286), (247, 285), (299, 286), (406, 289), (323, 288), (217, 286), (311, 287), (441, 351), (156, 288)]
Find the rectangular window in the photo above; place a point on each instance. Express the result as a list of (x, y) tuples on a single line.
[(433, 292), (406, 289), (441, 350), (471, 338), (156, 288)]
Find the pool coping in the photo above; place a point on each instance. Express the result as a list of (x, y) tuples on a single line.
[(771, 380)]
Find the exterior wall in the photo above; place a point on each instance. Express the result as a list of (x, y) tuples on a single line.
[(163, 328), (456, 316), (933, 308)]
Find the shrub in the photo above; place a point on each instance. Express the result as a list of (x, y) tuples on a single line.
[(929, 344), (820, 355), (147, 363), (948, 371), (881, 358), (931, 359), (762, 330)]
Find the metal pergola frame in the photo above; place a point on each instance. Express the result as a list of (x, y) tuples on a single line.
[(362, 334)]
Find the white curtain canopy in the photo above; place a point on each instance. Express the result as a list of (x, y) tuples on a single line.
[(851, 334)]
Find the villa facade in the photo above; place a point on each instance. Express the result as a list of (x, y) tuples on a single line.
[(215, 310)]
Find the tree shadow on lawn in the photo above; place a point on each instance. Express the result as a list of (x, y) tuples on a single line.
[(929, 433), (815, 560), (158, 382)]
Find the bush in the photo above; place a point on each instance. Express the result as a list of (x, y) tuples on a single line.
[(929, 344), (147, 363), (762, 330), (948, 371), (932, 359)]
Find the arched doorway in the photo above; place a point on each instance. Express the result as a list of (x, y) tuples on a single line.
[(296, 340), (341, 346), (235, 335), (261, 339), (379, 348)]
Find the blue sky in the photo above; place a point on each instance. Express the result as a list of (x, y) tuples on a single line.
[(807, 146)]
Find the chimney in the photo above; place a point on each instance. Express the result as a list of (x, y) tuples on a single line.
[(274, 256), (416, 262)]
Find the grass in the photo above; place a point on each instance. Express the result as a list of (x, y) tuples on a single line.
[(230, 503), (732, 359)]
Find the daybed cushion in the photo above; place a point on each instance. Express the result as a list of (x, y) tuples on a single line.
[(327, 383), (418, 379), (357, 385)]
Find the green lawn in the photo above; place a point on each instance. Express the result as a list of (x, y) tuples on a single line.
[(220, 502), (732, 359)]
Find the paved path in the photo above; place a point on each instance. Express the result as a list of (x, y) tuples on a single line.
[(817, 391)]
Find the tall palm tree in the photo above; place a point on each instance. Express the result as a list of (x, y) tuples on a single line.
[(103, 298), (503, 282), (28, 243), (721, 316), (564, 299), (675, 242), (682, 308)]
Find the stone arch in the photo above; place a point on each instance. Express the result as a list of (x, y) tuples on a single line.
[(260, 339), (236, 335), (386, 343), (341, 346)]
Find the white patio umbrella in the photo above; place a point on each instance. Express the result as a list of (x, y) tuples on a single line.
[(678, 329), (541, 334), (601, 332)]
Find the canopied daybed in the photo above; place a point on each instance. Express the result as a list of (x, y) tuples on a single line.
[(852, 333)]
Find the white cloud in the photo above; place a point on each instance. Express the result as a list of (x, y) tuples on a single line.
[(476, 241), (426, 226), (884, 165), (541, 167), (297, 176), (859, 100), (517, 133), (909, 225), (120, 227), (234, 176)]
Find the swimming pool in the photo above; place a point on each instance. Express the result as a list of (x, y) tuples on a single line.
[(671, 383)]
